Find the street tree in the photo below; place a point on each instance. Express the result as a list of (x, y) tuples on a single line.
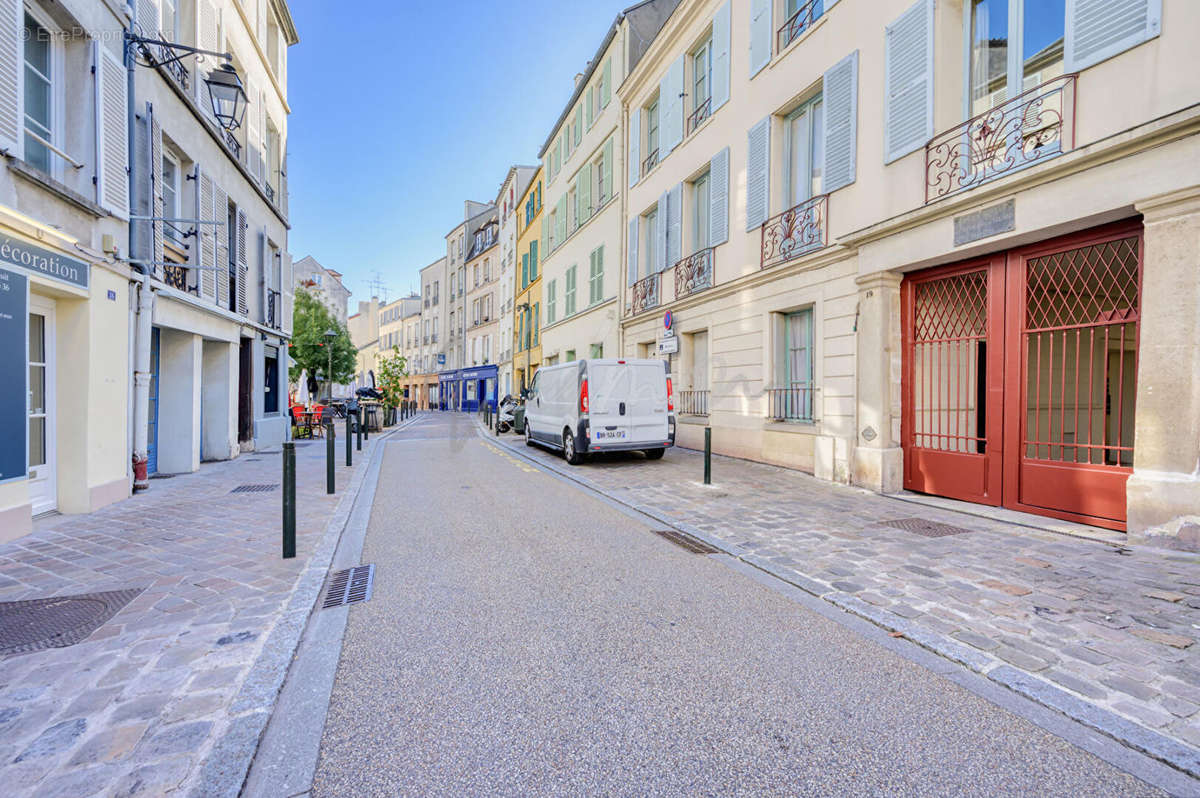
[(392, 369), (310, 349)]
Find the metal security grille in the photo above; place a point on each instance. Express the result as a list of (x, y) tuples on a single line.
[(1080, 346), (351, 586), (254, 488), (950, 328)]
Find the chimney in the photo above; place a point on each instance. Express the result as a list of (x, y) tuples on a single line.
[(578, 77)]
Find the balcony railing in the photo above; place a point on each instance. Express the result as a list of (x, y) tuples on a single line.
[(646, 293), (177, 277), (425, 340), (793, 403), (234, 145), (795, 232), (693, 403), (694, 273), (270, 191), (797, 23), (1032, 127), (274, 309), (650, 162), (702, 112)]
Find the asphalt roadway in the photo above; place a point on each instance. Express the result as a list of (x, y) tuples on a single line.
[(528, 638)]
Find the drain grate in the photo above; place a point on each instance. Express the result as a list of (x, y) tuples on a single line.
[(35, 624), (694, 545), (925, 527), (351, 586), (254, 488)]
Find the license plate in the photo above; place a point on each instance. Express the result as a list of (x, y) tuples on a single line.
[(609, 435)]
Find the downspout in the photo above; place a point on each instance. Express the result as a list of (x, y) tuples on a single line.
[(145, 297)]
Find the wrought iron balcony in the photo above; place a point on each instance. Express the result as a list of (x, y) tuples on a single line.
[(1032, 127), (425, 340), (231, 141), (693, 403), (650, 162), (702, 112), (270, 191), (797, 23), (176, 276), (694, 273), (793, 403), (274, 315), (646, 293), (795, 232)]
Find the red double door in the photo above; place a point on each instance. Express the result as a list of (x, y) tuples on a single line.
[(1020, 374)]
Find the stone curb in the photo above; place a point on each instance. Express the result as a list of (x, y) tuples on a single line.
[(224, 770), (1173, 752)]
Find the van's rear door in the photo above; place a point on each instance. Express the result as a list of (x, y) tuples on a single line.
[(608, 395), (647, 402)]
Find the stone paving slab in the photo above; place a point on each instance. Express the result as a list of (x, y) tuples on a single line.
[(170, 695), (1070, 622)]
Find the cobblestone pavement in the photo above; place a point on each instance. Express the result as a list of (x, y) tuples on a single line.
[(170, 694), (1112, 628)]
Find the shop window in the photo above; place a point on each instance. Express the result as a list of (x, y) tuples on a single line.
[(271, 380)]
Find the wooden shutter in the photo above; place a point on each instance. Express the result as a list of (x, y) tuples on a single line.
[(561, 231), (113, 171), (285, 269), (606, 176), (243, 270), (524, 270), (720, 57), (635, 146), (908, 75), (584, 183), (660, 232), (220, 214), (631, 247), (154, 177), (718, 201), (147, 18), (578, 124), (1099, 29), (208, 237), (671, 123), (606, 83), (265, 281), (840, 96), (282, 199), (12, 71), (674, 225), (760, 35), (208, 24), (598, 255), (143, 196), (758, 174), (591, 105)]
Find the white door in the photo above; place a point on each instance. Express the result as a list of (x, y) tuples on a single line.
[(648, 402), (43, 490), (609, 402)]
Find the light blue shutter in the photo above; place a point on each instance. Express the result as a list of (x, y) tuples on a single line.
[(1099, 29), (840, 96), (908, 77), (674, 226), (671, 131), (718, 201), (12, 71), (720, 57), (635, 145), (660, 232), (631, 247), (760, 35), (758, 178)]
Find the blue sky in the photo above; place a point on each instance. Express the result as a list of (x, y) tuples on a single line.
[(402, 110)]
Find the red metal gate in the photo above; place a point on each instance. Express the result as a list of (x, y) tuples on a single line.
[(1020, 376)]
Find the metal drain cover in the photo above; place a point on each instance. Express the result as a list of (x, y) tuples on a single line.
[(694, 545), (254, 488), (352, 586), (925, 527), (35, 624)]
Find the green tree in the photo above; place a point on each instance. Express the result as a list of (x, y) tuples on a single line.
[(392, 369), (309, 348)]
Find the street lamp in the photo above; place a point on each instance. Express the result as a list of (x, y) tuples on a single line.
[(227, 96), (329, 336)]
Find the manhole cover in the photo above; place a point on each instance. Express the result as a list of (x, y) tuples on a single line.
[(254, 488), (694, 545), (925, 527), (351, 586), (35, 624)]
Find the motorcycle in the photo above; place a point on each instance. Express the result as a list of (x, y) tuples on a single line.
[(506, 413)]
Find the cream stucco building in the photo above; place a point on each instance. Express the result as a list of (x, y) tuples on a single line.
[(514, 186), (945, 246), (323, 283)]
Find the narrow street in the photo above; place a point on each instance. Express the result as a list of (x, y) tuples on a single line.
[(526, 637)]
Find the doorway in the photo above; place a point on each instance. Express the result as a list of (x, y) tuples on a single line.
[(245, 396), (43, 465), (1019, 378), (152, 416)]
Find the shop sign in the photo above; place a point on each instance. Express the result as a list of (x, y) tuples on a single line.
[(43, 262), (14, 374)]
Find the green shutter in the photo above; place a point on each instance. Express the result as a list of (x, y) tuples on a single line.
[(606, 190), (524, 271), (585, 194), (537, 312), (578, 124), (606, 84), (533, 260), (591, 99)]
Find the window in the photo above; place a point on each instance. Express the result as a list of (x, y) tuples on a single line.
[(572, 209), (570, 356), (596, 276), (803, 152), (170, 195), (701, 75), (597, 178), (701, 199), (649, 246), (795, 369), (167, 24), (652, 133), (435, 292), (270, 379), (41, 61), (597, 351), (569, 293), (1036, 30), (551, 301)]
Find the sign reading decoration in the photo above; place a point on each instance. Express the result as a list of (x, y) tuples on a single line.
[(15, 252), (14, 375)]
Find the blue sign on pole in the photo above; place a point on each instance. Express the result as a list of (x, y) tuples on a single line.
[(441, 359), (14, 375)]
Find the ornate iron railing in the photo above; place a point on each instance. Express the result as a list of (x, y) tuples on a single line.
[(795, 232), (693, 403), (274, 309), (694, 273), (799, 22), (793, 403), (234, 145), (646, 293), (270, 192), (176, 276), (175, 234), (1033, 126), (650, 162), (425, 341), (702, 112)]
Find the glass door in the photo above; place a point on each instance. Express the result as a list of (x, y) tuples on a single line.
[(43, 490)]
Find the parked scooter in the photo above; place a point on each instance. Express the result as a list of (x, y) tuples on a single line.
[(506, 413)]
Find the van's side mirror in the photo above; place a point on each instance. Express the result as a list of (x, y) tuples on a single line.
[(525, 393)]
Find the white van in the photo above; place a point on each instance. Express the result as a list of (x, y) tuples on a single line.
[(602, 405)]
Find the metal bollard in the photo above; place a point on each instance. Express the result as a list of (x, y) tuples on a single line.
[(329, 458), (349, 443), (358, 429), (708, 455), (289, 499), (362, 415)]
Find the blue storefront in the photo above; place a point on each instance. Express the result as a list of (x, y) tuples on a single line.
[(467, 389)]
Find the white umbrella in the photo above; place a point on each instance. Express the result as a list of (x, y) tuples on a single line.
[(302, 388)]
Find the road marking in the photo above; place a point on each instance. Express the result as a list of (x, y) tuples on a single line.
[(523, 466)]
